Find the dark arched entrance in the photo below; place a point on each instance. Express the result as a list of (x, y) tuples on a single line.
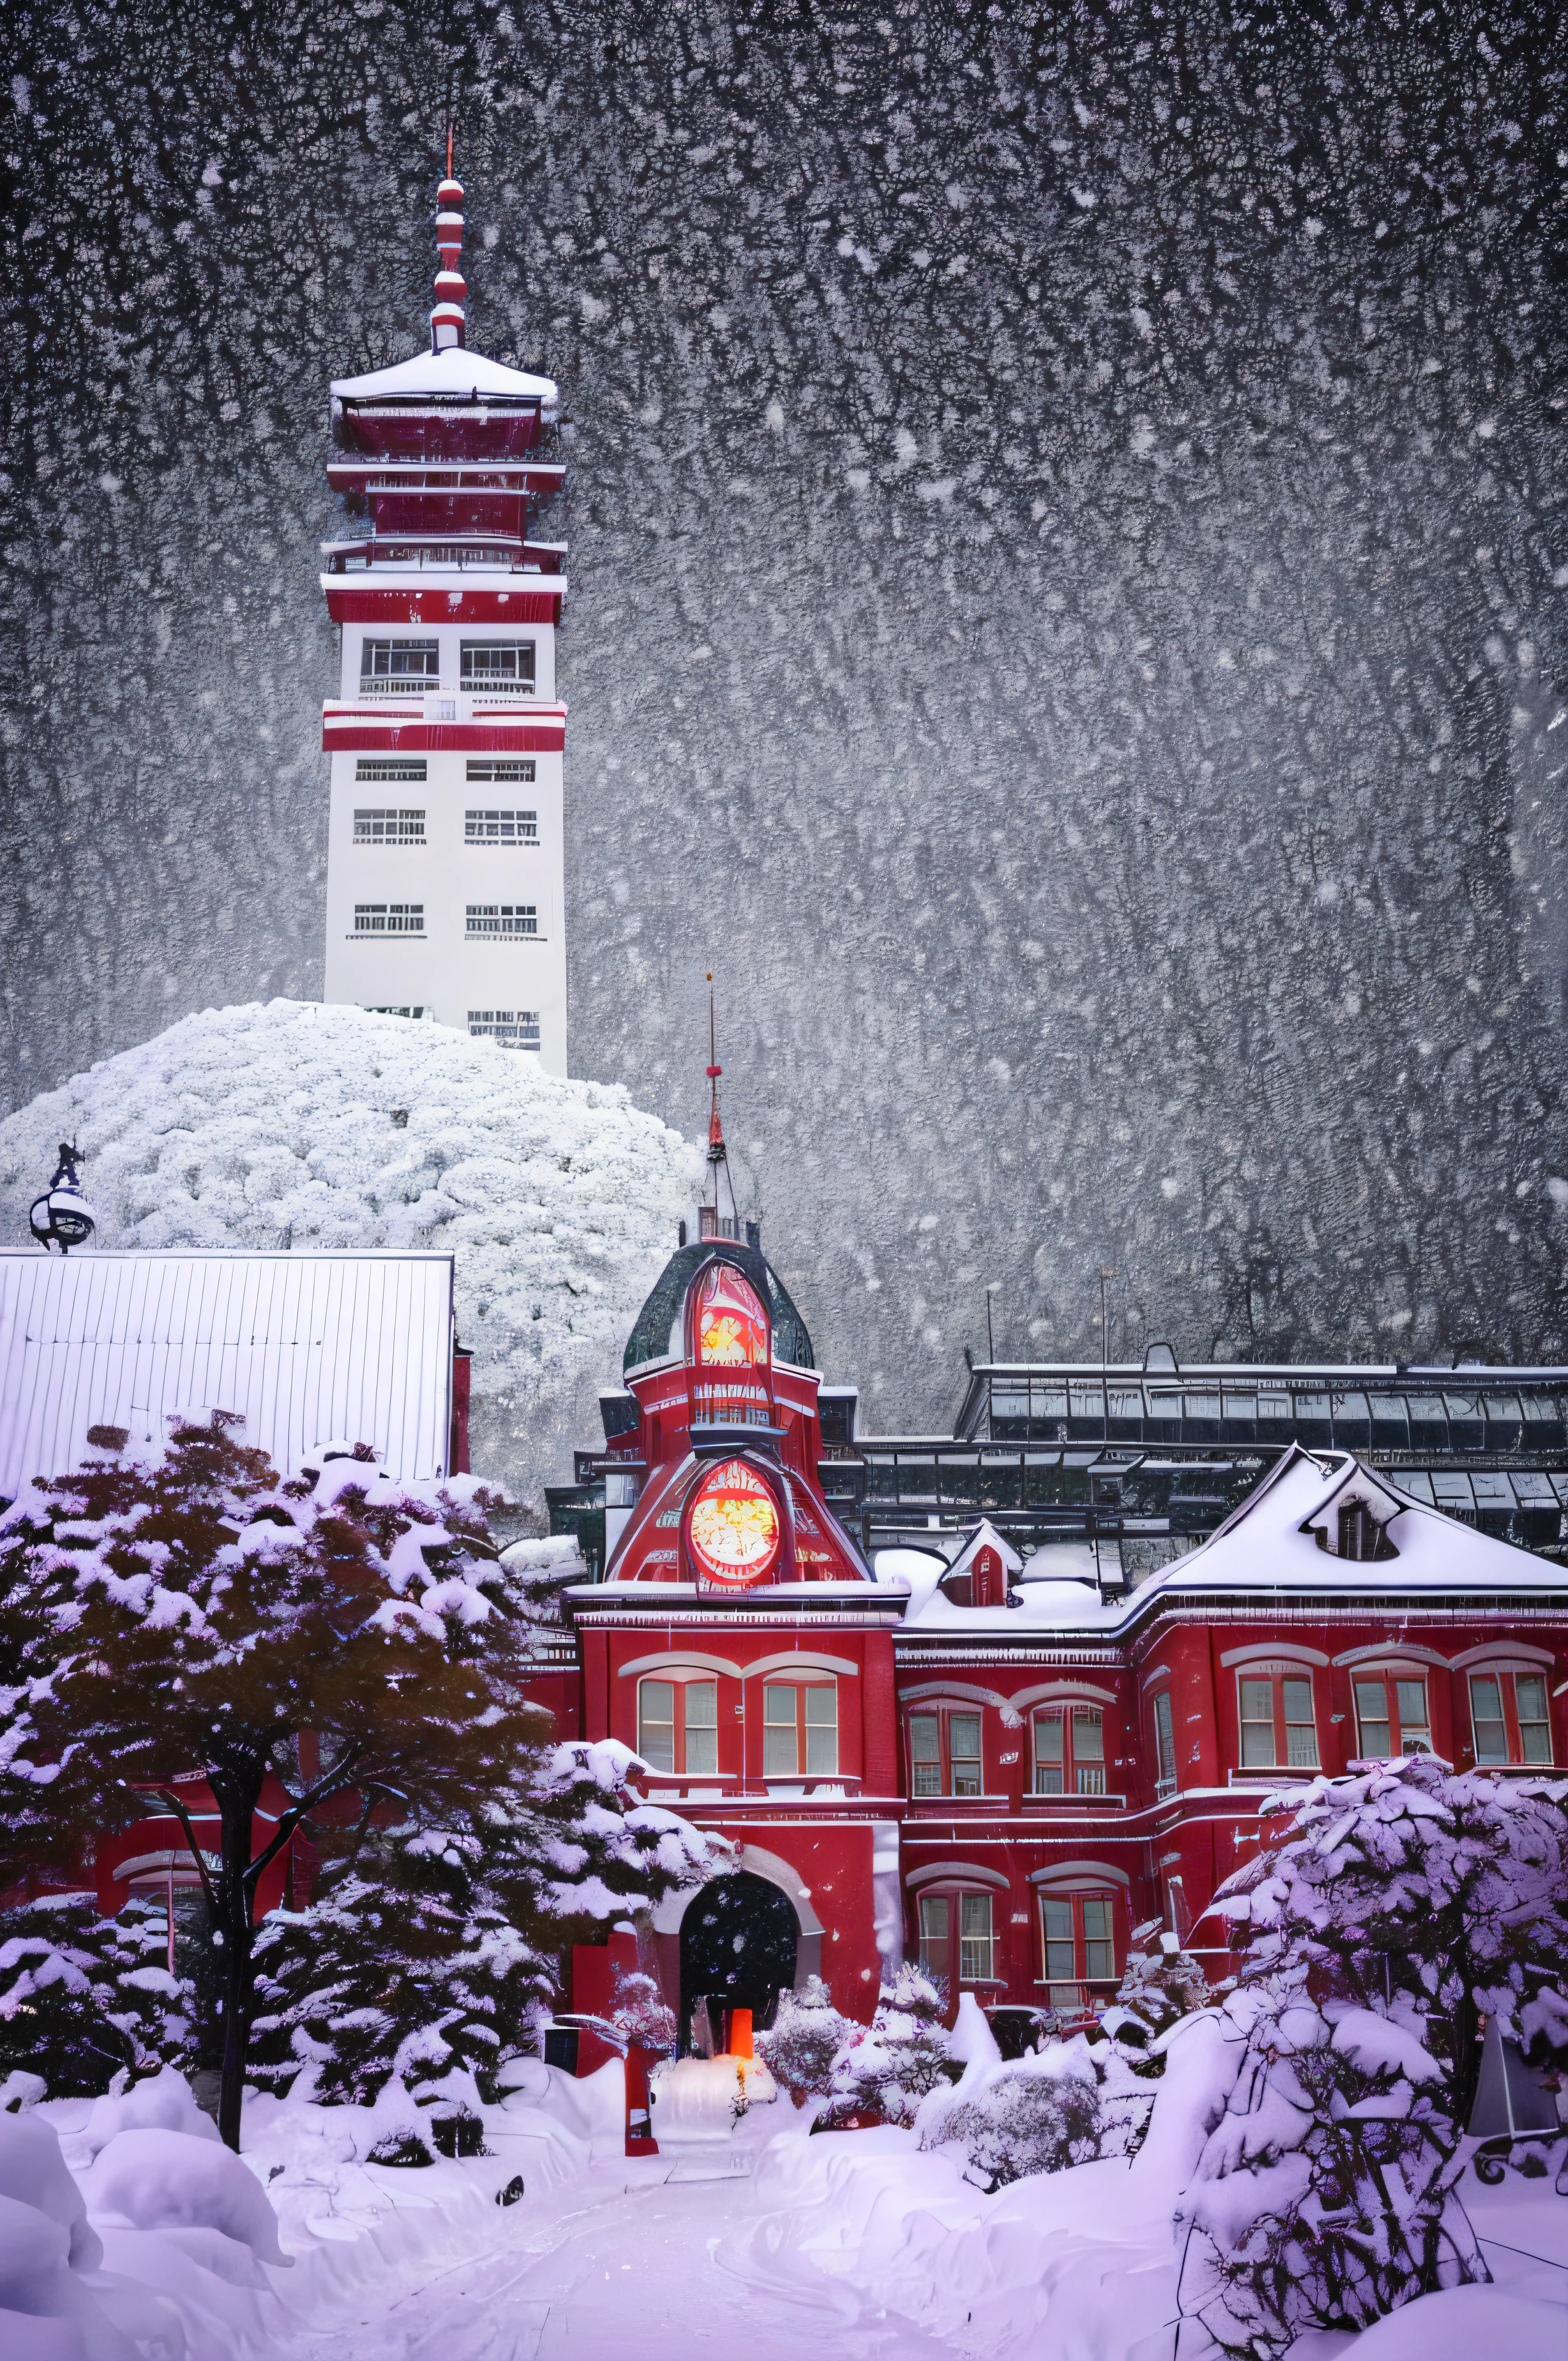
[(739, 1939)]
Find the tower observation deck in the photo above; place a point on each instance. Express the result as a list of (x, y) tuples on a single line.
[(445, 860)]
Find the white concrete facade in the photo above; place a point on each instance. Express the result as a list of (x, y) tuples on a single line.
[(468, 851)]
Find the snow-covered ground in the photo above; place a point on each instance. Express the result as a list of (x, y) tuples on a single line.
[(126, 2230), (293, 1124)]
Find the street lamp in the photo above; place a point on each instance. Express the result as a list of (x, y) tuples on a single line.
[(63, 1216)]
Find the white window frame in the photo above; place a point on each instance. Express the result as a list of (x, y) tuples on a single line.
[(515, 922)]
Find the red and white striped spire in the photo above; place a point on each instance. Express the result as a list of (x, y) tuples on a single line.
[(448, 328)]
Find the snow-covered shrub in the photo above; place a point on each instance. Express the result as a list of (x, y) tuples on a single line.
[(297, 1124), (1324, 2195), (1421, 1894), (640, 2013), (885, 2069), (804, 2039), (83, 1998), (1032, 2114)]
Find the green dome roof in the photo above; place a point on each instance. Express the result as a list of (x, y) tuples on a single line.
[(649, 1337)]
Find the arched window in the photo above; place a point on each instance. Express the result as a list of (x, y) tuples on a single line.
[(677, 1725), (945, 1756), (1278, 1728), (1078, 1946), (1510, 1717), (1391, 1715), (958, 1936), (800, 1727), (1070, 1750)]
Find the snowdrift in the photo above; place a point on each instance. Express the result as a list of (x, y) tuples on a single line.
[(298, 1124)]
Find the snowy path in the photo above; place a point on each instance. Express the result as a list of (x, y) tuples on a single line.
[(623, 2266)]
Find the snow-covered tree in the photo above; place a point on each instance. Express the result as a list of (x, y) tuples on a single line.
[(433, 1951), (1324, 2195), (803, 2041), (1422, 1895), (352, 1638), (83, 1998), (885, 2069)]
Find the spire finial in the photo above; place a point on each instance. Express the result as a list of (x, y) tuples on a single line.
[(448, 330), (716, 1151)]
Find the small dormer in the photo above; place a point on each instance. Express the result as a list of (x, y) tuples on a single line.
[(1354, 1523), (983, 1569)]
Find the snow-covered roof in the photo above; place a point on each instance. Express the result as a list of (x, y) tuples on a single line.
[(1270, 1541), (304, 1345), (1267, 1545), (457, 374)]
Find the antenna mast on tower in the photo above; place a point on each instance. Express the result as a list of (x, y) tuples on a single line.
[(712, 1222)]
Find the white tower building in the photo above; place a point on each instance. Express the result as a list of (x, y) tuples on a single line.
[(445, 868)]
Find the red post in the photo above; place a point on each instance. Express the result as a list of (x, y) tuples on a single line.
[(640, 2140), (458, 1455)]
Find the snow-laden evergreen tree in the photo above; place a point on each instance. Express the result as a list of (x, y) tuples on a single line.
[(83, 1998), (353, 1638), (805, 2040), (1423, 1895), (1394, 1906), (432, 1951), (885, 2069), (1324, 2196)]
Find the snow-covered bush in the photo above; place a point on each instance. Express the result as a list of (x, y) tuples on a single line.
[(642, 2014), (83, 1998), (1037, 2114), (885, 2069), (1324, 2195), (1422, 1895), (805, 2040), (296, 1124)]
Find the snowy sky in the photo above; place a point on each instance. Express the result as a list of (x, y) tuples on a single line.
[(1067, 612)]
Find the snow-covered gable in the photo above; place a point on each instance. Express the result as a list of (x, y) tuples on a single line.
[(1272, 1541), (455, 375), (301, 1345)]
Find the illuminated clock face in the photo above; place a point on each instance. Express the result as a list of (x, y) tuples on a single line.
[(732, 1528), (731, 1323)]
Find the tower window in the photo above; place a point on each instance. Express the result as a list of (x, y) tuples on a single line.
[(514, 1028), (389, 771), (504, 921), (389, 918), (506, 664), (500, 771), (501, 827), (408, 665), (372, 826)]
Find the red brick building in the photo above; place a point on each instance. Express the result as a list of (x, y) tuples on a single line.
[(986, 1759)]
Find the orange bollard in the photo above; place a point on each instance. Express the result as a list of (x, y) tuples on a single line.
[(740, 2033)]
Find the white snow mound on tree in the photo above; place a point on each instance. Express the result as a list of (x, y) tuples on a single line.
[(295, 1124)]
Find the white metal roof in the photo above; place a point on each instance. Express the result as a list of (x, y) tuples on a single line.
[(307, 1347)]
